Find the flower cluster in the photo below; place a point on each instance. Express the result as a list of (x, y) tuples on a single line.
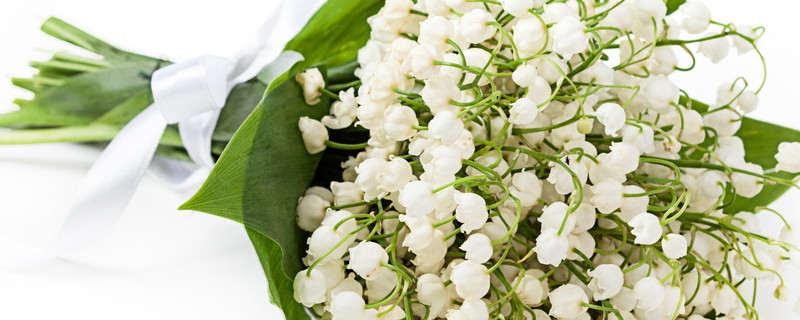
[(532, 159)]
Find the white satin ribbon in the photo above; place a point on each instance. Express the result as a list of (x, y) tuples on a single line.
[(190, 93)]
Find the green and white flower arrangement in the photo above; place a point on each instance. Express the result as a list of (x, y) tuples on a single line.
[(456, 159)]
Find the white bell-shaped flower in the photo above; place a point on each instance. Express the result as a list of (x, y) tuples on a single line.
[(310, 211), (715, 49), (432, 292), (366, 259), (748, 101), (523, 111), (527, 187), (418, 198), (421, 234), (307, 287), (446, 127), (314, 134), (434, 32), (311, 81), (343, 112), (640, 136), (442, 160), (674, 246), (567, 301), (478, 248), (612, 116), (788, 157), (726, 122), (524, 75), (517, 8), (470, 211), (554, 216), (438, 92), (748, 185), (551, 248), (530, 36), (646, 228), (697, 17), (470, 279), (649, 293), (607, 195), (624, 157), (399, 122), (474, 26), (569, 36), (530, 290), (632, 206), (724, 299), (607, 280), (471, 309), (347, 305)]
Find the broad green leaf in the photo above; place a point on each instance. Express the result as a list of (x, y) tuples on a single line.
[(257, 181), (280, 286), (335, 32), (761, 140), (673, 5), (241, 102)]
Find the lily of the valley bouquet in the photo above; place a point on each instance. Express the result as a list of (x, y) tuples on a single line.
[(481, 159)]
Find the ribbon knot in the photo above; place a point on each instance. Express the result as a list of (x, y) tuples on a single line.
[(192, 87), (190, 93)]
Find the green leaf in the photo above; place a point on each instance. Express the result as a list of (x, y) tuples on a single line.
[(82, 99), (62, 30), (673, 5), (335, 32), (761, 140), (257, 181), (280, 286), (241, 102)]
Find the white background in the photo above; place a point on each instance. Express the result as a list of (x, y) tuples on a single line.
[(159, 263)]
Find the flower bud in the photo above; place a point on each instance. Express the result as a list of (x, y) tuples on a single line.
[(311, 80), (314, 134)]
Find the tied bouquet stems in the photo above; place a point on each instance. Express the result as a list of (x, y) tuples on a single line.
[(513, 159)]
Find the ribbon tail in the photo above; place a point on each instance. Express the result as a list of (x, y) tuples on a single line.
[(110, 183), (196, 135)]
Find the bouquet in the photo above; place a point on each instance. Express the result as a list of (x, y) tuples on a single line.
[(511, 159)]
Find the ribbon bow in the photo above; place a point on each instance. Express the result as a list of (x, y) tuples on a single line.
[(190, 93)]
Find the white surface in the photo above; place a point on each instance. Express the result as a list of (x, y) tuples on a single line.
[(158, 263)]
